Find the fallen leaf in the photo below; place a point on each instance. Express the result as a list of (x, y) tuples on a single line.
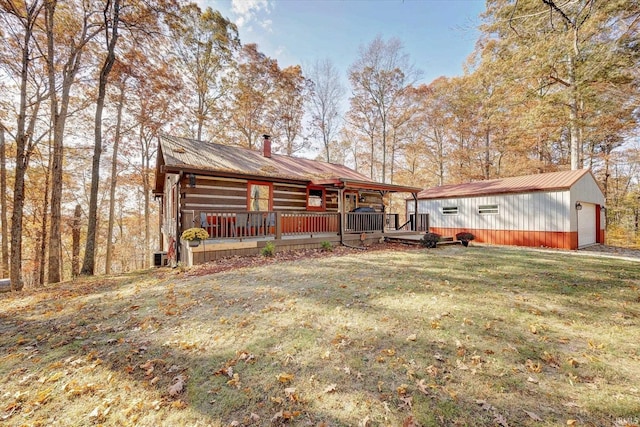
[(502, 421), (178, 404), (285, 378), (235, 381), (412, 337), (533, 416), (95, 413), (573, 362), (177, 387), (406, 401), (330, 388), (409, 422), (422, 386), (290, 392), (571, 422), (571, 405), (534, 367)]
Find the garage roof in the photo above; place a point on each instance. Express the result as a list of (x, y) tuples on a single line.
[(552, 181)]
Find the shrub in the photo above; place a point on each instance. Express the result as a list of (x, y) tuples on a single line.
[(429, 240), (326, 246), (269, 250), (465, 236)]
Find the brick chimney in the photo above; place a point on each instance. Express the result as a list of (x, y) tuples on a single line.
[(266, 146)]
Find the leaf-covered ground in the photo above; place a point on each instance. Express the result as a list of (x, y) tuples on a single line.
[(477, 336)]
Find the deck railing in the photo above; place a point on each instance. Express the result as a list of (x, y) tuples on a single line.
[(304, 223), (243, 224)]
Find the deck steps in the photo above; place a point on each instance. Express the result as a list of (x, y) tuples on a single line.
[(414, 239)]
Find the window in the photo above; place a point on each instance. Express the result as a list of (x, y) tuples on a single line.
[(315, 198), (449, 210), (487, 209), (259, 197)]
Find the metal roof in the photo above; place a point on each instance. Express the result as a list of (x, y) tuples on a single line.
[(190, 155), (551, 181)]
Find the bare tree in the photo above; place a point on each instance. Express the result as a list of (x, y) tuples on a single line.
[(380, 76), (20, 19), (111, 15), (68, 51), (326, 97), (114, 170), (3, 205), (205, 43)]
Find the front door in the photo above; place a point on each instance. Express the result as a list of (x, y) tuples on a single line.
[(350, 201)]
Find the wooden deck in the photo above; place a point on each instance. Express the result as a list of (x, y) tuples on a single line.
[(247, 233), (212, 249)]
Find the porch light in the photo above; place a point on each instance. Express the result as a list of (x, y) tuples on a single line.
[(361, 198), (603, 208), (192, 180), (578, 206)]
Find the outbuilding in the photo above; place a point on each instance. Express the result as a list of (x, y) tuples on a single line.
[(557, 210)]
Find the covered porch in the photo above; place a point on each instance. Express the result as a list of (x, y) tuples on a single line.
[(247, 232)]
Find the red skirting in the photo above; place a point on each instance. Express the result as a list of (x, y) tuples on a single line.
[(549, 239)]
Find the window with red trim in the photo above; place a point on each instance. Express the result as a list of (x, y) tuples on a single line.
[(316, 198), (259, 196)]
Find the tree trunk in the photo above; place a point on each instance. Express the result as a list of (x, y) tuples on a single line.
[(75, 242), (147, 216), (486, 170), (146, 155), (3, 206), (88, 265), (59, 113), (23, 150), (573, 107), (43, 229), (114, 179)]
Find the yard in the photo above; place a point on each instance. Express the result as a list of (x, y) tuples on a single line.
[(481, 336)]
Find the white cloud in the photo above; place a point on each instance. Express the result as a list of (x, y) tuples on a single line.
[(247, 11), (266, 24)]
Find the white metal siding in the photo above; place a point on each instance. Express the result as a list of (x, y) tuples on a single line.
[(544, 211)]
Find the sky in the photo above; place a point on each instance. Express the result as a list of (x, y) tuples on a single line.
[(438, 35)]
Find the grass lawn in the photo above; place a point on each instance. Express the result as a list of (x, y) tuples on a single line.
[(478, 336)]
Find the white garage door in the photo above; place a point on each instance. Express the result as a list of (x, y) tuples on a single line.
[(587, 225)]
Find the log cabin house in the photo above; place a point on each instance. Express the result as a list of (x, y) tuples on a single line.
[(246, 198)]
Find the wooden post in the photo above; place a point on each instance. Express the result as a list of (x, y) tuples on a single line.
[(278, 225)]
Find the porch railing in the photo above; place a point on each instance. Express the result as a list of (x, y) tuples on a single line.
[(303, 223), (243, 224)]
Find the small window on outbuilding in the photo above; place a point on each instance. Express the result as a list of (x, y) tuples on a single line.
[(449, 210), (316, 199), (487, 209)]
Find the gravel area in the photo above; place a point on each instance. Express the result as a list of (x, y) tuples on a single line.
[(614, 251)]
